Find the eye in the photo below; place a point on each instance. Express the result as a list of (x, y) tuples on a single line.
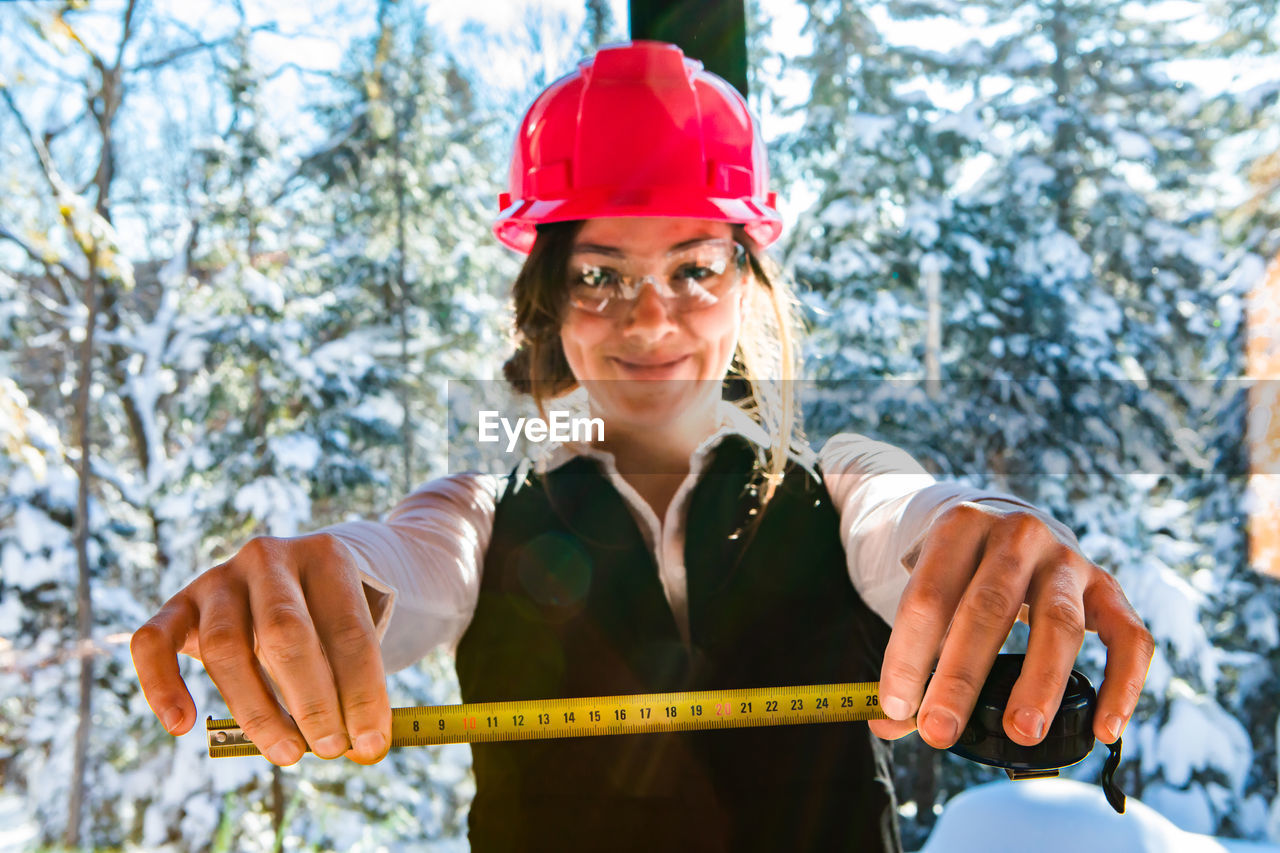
[(698, 272), (595, 277)]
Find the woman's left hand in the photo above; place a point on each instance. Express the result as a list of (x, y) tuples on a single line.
[(978, 568)]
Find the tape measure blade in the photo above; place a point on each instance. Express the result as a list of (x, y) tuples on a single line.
[(536, 719), (593, 716)]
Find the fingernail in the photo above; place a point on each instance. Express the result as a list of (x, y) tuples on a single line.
[(371, 743), (1029, 721), (1112, 723), (284, 752), (943, 727), (331, 746), (171, 718), (895, 708)]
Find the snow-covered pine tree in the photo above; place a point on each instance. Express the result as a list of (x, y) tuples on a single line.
[(866, 150), (599, 27), (68, 241), (39, 656), (409, 180), (234, 366), (1242, 119), (1075, 268), (332, 328)]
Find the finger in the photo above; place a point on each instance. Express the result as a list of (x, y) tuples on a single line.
[(927, 604), (340, 611), (292, 654), (226, 632), (154, 648), (892, 729), (981, 624), (1057, 632), (1130, 648)]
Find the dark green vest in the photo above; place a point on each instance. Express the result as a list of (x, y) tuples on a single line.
[(571, 605)]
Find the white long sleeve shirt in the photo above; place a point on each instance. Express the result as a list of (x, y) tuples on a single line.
[(421, 566)]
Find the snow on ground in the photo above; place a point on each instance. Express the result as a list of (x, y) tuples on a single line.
[(1063, 816), (17, 830)]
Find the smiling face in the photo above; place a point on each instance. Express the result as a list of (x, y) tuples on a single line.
[(641, 365)]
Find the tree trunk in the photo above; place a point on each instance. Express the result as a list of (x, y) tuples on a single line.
[(925, 787), (84, 600), (402, 306), (103, 107), (1064, 138), (387, 93), (277, 803)]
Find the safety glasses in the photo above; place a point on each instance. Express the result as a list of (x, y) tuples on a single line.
[(607, 283)]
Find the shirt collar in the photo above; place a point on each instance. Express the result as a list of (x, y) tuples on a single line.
[(731, 420)]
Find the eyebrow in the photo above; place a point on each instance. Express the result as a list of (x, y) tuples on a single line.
[(615, 252)]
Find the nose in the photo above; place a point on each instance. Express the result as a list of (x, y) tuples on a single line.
[(649, 315)]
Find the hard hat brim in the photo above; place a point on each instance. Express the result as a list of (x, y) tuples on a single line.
[(517, 224)]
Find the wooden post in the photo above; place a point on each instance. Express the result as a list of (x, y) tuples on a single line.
[(711, 31), (1263, 369)]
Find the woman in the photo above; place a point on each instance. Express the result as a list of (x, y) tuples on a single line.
[(696, 546)]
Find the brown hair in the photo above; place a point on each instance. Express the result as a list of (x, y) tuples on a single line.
[(766, 358)]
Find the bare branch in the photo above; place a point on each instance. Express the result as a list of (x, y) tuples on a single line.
[(291, 65), (61, 311), (88, 51), (126, 34), (11, 663), (57, 71), (50, 267), (52, 133), (195, 47), (41, 152), (332, 144), (111, 476), (178, 53)]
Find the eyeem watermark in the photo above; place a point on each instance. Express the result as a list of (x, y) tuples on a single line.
[(561, 427)]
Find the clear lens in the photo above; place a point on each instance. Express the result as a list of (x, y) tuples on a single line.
[(692, 278)]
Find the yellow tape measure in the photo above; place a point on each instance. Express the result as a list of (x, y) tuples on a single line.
[(534, 719)]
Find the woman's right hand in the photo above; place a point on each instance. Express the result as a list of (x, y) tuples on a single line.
[(296, 607)]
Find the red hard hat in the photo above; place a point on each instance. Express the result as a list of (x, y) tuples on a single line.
[(638, 130)]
